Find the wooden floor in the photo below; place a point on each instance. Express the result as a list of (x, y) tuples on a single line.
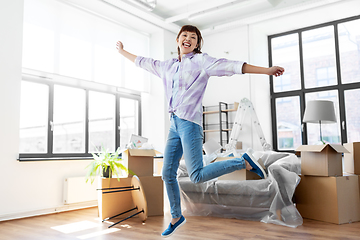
[(84, 224)]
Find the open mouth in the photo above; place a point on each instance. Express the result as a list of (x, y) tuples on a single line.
[(186, 44)]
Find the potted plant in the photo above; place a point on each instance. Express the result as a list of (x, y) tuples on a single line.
[(105, 164)]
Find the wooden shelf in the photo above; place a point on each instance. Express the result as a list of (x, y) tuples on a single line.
[(225, 110), (229, 110), (210, 112), (217, 130)]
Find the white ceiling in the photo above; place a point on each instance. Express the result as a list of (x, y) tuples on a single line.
[(207, 15)]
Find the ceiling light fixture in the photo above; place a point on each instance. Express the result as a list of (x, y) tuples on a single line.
[(274, 3), (148, 5), (209, 11)]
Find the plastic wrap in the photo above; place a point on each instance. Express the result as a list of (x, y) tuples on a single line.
[(267, 200)]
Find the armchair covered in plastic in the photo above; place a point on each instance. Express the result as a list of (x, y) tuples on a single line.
[(267, 200)]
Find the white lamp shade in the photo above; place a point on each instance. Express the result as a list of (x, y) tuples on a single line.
[(319, 111)]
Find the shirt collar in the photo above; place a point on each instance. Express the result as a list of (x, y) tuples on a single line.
[(188, 55)]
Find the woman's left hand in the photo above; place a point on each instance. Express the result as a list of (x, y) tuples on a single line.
[(276, 71)]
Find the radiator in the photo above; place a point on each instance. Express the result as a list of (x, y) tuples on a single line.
[(77, 190)]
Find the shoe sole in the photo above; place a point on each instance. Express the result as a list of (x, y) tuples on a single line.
[(257, 164), (165, 236)]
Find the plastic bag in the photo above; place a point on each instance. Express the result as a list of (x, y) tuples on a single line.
[(267, 200)]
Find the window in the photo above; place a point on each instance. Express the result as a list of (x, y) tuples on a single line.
[(285, 52), (78, 94), (102, 121), (318, 55), (34, 120), (321, 62), (59, 121), (288, 122)]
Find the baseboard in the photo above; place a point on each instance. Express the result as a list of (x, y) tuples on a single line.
[(39, 212)]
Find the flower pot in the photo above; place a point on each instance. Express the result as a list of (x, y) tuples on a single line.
[(107, 172)]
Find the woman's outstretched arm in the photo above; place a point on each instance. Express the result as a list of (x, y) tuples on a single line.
[(275, 70), (120, 48)]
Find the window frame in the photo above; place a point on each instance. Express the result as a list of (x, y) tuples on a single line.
[(51, 80), (340, 87)]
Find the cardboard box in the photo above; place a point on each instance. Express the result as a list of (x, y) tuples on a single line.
[(240, 175), (352, 159), (140, 161), (154, 193), (329, 199), (238, 145), (111, 204), (321, 160)]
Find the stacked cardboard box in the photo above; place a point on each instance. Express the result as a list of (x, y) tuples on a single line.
[(324, 193), (141, 162), (352, 159)]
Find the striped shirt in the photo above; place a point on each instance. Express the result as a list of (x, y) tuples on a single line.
[(194, 72)]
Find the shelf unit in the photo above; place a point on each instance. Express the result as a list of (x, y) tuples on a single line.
[(223, 111)]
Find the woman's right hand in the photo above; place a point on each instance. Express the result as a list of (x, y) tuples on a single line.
[(119, 46)]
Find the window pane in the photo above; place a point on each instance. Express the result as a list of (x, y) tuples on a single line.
[(285, 53), (69, 115), (330, 132), (101, 121), (288, 123), (349, 45), (319, 57), (129, 120), (352, 103), (33, 117)]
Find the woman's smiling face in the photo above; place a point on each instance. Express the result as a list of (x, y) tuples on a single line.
[(187, 42)]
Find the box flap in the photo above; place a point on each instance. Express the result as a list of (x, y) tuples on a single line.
[(311, 148), (142, 152), (318, 148), (339, 148)]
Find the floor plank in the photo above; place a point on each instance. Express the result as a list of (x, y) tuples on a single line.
[(85, 224)]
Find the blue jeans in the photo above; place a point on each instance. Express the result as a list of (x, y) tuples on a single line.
[(186, 138)]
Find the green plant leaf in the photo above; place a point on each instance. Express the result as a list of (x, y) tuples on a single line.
[(102, 159)]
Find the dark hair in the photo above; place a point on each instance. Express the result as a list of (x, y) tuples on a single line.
[(193, 29)]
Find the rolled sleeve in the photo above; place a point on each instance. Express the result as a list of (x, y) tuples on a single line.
[(137, 61), (238, 67), (222, 66), (149, 64)]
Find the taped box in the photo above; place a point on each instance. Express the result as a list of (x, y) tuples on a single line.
[(322, 160), (329, 199)]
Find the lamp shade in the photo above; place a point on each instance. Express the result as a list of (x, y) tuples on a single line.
[(319, 111)]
